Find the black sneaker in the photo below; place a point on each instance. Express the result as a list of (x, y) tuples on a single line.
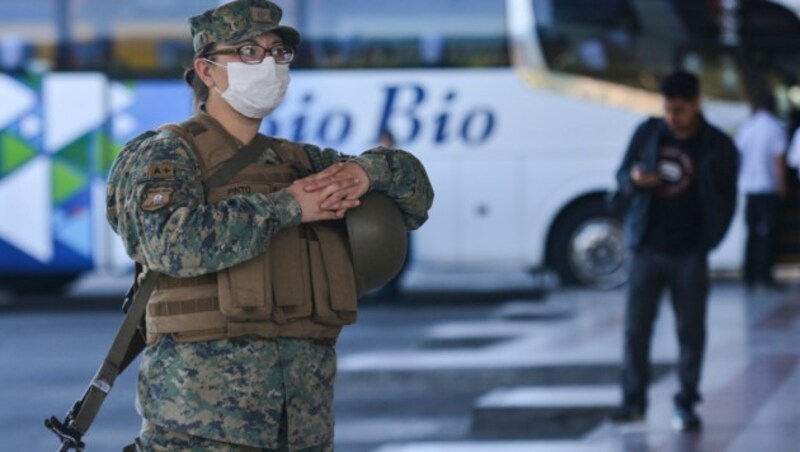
[(686, 419), (627, 414)]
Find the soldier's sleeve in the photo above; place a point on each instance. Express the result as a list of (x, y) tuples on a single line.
[(323, 158), (165, 223), (392, 171), (402, 177)]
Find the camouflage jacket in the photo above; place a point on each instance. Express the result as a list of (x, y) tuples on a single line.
[(189, 237), (235, 391)]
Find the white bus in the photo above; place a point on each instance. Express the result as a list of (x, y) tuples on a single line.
[(519, 109)]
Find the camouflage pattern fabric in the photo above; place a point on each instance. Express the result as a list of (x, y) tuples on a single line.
[(158, 439), (238, 21), (156, 203), (262, 393), (155, 195), (233, 391), (402, 177)]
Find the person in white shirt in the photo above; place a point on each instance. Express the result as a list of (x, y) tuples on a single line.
[(762, 143), (793, 154)]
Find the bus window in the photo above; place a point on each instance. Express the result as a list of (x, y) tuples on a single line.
[(422, 33), (577, 36), (133, 38), (768, 35), (635, 42), (145, 38), (27, 35), (123, 38)]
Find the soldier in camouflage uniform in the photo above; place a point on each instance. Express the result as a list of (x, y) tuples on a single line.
[(253, 392)]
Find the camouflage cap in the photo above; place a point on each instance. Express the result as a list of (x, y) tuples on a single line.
[(238, 21)]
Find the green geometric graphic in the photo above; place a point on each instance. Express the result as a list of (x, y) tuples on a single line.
[(34, 82), (66, 181), (77, 152), (109, 150), (13, 153)]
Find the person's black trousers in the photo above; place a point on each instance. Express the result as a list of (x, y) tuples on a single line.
[(762, 215), (686, 277)]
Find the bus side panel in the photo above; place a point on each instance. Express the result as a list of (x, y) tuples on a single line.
[(496, 149), (439, 240), (550, 190), (48, 151), (491, 206)]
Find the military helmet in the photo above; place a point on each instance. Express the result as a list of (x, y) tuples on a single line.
[(378, 241)]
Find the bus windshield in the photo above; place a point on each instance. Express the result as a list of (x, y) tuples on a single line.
[(737, 47)]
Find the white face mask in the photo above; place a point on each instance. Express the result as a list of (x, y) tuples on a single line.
[(255, 90)]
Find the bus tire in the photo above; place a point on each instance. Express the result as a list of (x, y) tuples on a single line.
[(586, 247)]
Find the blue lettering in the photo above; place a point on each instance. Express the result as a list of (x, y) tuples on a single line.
[(406, 112), (472, 124), (390, 109), (270, 127), (441, 121), (344, 127), (300, 121)]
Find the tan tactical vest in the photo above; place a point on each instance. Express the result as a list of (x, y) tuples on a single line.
[(303, 285)]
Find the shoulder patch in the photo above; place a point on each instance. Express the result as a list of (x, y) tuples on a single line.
[(161, 170), (156, 198)]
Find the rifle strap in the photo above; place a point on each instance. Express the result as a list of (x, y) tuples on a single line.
[(244, 157), (129, 342), (104, 379)]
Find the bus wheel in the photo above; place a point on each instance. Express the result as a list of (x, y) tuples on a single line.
[(587, 247)]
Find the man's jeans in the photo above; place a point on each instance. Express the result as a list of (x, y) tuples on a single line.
[(686, 276)]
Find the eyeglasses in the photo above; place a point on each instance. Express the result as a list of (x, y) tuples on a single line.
[(255, 54)]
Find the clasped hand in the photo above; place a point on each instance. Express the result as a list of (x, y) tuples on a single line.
[(327, 195)]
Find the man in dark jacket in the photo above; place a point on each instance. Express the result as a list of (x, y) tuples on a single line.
[(680, 174)]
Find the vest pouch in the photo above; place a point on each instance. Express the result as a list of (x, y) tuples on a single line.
[(243, 290), (187, 308), (290, 275), (332, 278)]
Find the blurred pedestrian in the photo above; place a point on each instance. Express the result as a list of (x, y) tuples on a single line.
[(681, 173), (762, 144), (254, 284)]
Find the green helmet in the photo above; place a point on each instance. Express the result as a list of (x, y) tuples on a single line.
[(378, 241)]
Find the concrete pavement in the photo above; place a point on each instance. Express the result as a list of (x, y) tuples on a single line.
[(417, 377)]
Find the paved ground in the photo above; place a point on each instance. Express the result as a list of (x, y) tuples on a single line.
[(451, 376)]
